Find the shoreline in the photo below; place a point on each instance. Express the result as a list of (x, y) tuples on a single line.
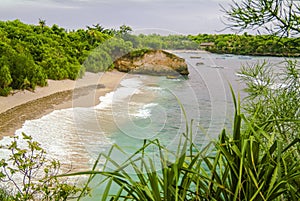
[(198, 51), (25, 105)]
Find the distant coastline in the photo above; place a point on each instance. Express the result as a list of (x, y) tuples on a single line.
[(187, 51)]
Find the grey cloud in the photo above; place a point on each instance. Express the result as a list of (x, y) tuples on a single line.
[(189, 16)]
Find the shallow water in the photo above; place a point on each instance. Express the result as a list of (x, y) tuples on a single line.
[(145, 107)]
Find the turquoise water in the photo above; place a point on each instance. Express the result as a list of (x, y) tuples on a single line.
[(145, 107)]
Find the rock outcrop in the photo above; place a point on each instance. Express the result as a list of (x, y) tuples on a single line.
[(153, 62)]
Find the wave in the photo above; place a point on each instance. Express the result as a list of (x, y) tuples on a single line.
[(145, 112), (128, 87)]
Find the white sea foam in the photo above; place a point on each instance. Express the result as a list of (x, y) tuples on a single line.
[(145, 111), (154, 88), (63, 138), (128, 88), (65, 135), (105, 101)]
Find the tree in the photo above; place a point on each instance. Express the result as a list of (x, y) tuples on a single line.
[(116, 47), (98, 61), (280, 17), (124, 29), (5, 79), (273, 97), (25, 73), (42, 23)]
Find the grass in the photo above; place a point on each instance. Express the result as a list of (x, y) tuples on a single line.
[(244, 164)]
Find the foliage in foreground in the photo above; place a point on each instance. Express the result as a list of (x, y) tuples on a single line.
[(27, 174), (273, 96), (272, 16), (246, 164), (5, 196)]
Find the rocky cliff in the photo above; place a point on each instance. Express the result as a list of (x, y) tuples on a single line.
[(153, 62)]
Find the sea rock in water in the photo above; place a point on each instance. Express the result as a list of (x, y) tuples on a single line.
[(153, 62)]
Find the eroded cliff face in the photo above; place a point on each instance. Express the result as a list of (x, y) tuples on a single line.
[(153, 62)]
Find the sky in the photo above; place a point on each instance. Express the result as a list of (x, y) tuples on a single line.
[(144, 16)]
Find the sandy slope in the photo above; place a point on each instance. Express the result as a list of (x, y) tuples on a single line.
[(24, 105)]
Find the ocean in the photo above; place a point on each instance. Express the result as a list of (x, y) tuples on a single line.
[(146, 107)]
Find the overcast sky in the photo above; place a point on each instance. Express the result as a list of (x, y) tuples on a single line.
[(161, 16)]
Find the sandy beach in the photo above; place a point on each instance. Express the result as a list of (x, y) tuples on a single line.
[(26, 105)]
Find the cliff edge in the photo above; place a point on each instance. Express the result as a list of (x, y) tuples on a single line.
[(153, 62)]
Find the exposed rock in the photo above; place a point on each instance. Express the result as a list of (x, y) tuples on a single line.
[(153, 62)]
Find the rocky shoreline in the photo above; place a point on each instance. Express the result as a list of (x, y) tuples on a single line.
[(152, 62)]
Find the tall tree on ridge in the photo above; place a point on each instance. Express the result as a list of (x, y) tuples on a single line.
[(42, 23)]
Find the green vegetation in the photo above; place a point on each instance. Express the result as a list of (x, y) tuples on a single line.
[(4, 196), (137, 53), (102, 57), (245, 44), (156, 41), (258, 159), (244, 164), (30, 175), (31, 54), (274, 17), (274, 97), (250, 162)]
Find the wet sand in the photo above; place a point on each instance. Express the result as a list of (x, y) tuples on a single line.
[(25, 105)]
